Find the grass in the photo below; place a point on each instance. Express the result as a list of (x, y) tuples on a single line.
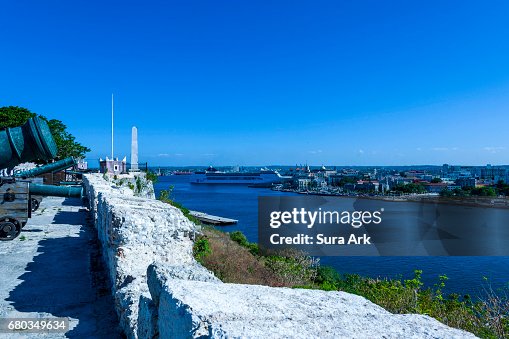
[(245, 269)]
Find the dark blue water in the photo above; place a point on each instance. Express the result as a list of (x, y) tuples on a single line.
[(466, 274)]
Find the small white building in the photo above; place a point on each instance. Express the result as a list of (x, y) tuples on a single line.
[(304, 183), (82, 165), (113, 166)]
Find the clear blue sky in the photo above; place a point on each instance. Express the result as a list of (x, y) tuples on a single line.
[(267, 82)]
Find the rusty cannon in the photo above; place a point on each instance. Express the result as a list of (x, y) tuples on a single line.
[(20, 193)]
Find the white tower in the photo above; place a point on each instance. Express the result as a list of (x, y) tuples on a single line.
[(134, 149)]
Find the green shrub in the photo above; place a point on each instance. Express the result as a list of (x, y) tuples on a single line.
[(327, 278), (487, 318), (151, 176), (293, 266), (201, 249), (139, 185), (253, 248), (239, 238)]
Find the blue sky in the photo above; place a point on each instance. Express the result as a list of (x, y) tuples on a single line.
[(267, 82)]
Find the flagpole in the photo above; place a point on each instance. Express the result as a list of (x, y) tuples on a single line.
[(111, 126)]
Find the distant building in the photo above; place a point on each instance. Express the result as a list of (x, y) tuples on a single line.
[(82, 165), (335, 179), (363, 186), (113, 166), (320, 181), (367, 186), (303, 183), (493, 173), (350, 173), (435, 187), (466, 182), (397, 180), (323, 172), (414, 174)]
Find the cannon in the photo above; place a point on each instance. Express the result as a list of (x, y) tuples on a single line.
[(25, 143), (35, 198), (20, 193), (53, 167)]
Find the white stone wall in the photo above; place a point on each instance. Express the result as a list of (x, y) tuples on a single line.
[(134, 233), (162, 292)]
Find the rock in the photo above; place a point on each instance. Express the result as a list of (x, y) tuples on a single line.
[(195, 308), (159, 274)]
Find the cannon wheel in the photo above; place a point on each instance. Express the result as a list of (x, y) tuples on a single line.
[(34, 204), (10, 228)]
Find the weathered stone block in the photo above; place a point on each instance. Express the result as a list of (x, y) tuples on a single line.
[(195, 308)]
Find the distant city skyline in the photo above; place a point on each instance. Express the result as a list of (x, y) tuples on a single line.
[(237, 83)]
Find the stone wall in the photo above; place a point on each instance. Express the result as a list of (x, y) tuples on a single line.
[(135, 232), (162, 292)]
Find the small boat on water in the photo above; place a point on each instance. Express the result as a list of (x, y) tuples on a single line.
[(212, 219)]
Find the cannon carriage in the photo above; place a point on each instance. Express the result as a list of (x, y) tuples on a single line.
[(21, 193)]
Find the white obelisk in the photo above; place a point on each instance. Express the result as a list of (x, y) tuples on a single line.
[(134, 149)]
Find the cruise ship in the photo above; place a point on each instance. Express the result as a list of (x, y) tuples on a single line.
[(213, 176)]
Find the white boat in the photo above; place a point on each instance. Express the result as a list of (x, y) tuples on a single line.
[(213, 176)]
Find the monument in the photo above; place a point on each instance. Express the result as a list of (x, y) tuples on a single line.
[(134, 150)]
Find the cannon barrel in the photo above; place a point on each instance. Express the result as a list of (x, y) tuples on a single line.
[(56, 191), (53, 167), (29, 142)]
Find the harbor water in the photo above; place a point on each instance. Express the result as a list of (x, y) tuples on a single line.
[(467, 275)]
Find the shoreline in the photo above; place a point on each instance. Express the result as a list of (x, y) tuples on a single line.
[(486, 202)]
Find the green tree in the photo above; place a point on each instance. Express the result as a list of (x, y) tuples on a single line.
[(12, 116), (484, 191), (446, 193), (66, 142), (410, 188), (436, 180), (347, 180)]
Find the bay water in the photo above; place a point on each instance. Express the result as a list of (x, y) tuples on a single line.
[(467, 275)]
